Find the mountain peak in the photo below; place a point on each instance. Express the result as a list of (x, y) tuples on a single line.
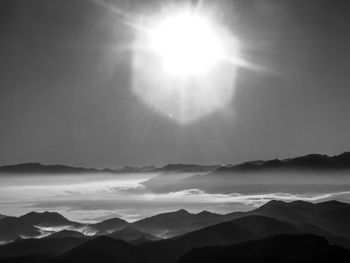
[(182, 211), (44, 217), (206, 213)]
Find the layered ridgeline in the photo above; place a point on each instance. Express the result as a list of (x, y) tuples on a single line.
[(313, 172), (323, 227), (308, 162)]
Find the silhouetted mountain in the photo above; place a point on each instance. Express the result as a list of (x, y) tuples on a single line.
[(332, 216), (66, 234), (238, 230), (241, 229), (99, 249), (133, 169), (103, 249), (44, 219), (108, 226), (44, 246), (188, 168), (27, 259), (140, 241), (27, 225), (175, 223), (307, 162), (37, 168), (280, 248), (130, 234)]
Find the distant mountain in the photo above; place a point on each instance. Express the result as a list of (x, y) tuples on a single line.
[(175, 223), (28, 225), (307, 162), (37, 168), (133, 169), (275, 249), (188, 168), (108, 226), (130, 234)]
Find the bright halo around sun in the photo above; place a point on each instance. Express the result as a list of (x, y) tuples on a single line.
[(184, 64), (186, 44)]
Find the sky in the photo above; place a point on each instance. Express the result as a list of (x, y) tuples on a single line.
[(66, 92)]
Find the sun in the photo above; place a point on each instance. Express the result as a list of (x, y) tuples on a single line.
[(184, 63), (186, 44)]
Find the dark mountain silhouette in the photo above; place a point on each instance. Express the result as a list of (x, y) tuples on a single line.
[(133, 169), (44, 246), (99, 249), (175, 223), (37, 168), (108, 226), (325, 219), (44, 219), (235, 231), (2, 216), (130, 234), (66, 234), (280, 248), (189, 168), (241, 229), (309, 162), (27, 225), (170, 250), (332, 216), (27, 259), (106, 249), (140, 241)]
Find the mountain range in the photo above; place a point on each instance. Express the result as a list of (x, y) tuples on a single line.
[(323, 227), (308, 162)]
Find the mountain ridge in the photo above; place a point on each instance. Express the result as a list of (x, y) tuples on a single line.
[(304, 162)]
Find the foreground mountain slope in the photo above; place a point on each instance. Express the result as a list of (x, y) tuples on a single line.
[(99, 249), (239, 230), (332, 216), (170, 250), (44, 246), (276, 249)]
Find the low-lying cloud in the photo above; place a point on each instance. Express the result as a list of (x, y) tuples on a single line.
[(95, 199)]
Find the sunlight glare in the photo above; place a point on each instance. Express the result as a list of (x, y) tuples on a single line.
[(186, 44), (184, 64)]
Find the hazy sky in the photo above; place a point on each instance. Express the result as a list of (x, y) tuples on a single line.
[(66, 97)]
